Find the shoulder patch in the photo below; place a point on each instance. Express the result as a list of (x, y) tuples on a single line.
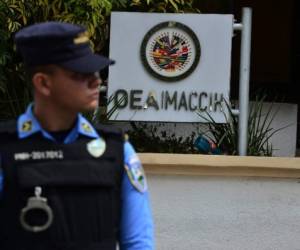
[(136, 174), (26, 126), (87, 128)]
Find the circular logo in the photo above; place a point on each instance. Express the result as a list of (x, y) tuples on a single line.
[(170, 51)]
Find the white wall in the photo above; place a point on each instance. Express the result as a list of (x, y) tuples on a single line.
[(284, 141), (226, 213)]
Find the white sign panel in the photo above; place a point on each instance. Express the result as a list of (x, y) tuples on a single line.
[(169, 66)]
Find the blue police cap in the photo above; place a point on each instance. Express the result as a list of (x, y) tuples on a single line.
[(63, 44)]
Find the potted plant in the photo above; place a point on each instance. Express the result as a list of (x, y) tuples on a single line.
[(225, 135)]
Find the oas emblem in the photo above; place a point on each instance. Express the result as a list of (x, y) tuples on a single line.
[(96, 147), (170, 51)]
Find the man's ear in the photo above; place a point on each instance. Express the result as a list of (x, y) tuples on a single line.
[(42, 83)]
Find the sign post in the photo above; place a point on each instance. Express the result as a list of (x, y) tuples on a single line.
[(243, 112)]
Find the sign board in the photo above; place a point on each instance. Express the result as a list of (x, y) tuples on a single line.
[(169, 66)]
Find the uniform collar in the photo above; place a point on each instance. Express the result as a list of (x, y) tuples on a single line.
[(29, 125)]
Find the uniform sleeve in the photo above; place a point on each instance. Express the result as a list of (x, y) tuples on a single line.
[(136, 229)]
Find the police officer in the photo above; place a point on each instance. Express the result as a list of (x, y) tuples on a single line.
[(64, 183)]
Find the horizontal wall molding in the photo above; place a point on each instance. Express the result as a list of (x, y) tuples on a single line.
[(220, 165)]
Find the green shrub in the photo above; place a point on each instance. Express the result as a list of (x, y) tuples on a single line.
[(15, 93), (225, 135), (154, 138)]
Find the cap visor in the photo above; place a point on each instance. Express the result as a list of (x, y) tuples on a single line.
[(87, 64)]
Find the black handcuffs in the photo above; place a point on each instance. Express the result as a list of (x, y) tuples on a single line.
[(36, 202)]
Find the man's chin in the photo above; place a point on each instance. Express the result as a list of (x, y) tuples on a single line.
[(92, 106), (89, 107)]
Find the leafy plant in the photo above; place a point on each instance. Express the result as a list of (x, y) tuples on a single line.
[(225, 135), (15, 92), (176, 6), (147, 137)]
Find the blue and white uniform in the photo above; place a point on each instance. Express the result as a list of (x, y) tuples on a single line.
[(136, 228)]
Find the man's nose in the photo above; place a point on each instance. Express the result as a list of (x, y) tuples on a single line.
[(95, 80)]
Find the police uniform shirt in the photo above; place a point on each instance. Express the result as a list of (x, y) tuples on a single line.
[(136, 227)]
